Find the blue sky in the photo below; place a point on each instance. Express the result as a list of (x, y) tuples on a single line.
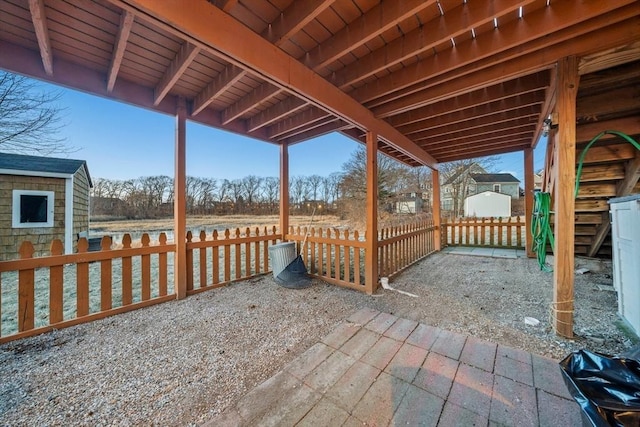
[(119, 141)]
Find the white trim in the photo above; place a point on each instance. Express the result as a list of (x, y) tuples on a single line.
[(68, 216), (35, 173), (15, 209)]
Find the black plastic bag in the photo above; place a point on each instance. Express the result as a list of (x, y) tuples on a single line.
[(606, 388)]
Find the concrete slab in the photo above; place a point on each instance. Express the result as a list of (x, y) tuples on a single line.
[(403, 373)]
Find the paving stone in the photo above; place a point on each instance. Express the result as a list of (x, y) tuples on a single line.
[(280, 400), (457, 416), (329, 372), (307, 361), (479, 353), (513, 403), (363, 316), (406, 363), (353, 422), (324, 414), (292, 407), (229, 418), (515, 370), (472, 389), (554, 410), (437, 374), (548, 377), (423, 336), (378, 404), (341, 335), (347, 392), (449, 344), (381, 353), (381, 323), (401, 329), (360, 343), (418, 408), (513, 353)]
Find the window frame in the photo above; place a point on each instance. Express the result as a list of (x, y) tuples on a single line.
[(16, 211)]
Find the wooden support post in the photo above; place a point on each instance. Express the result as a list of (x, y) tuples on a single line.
[(528, 199), (180, 202), (565, 165), (284, 189), (435, 208), (371, 250)]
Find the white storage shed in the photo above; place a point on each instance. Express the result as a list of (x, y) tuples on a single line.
[(625, 233), (487, 204)]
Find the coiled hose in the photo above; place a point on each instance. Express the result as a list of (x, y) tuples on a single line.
[(540, 224)]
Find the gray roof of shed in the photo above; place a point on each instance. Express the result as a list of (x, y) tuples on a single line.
[(21, 162), (494, 177)]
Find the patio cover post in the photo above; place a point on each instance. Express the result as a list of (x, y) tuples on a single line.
[(371, 249), (435, 209), (284, 189), (528, 199), (180, 202), (565, 168)]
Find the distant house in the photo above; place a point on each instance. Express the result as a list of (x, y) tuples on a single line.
[(455, 188), (411, 200), (487, 204), (503, 183), (41, 199)]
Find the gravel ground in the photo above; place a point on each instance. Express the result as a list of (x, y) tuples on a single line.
[(183, 362)]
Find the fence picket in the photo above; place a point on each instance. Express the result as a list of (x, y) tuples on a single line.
[(56, 285), (105, 276), (203, 260), (145, 269)]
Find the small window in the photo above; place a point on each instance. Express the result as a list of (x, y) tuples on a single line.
[(32, 209), (496, 188)]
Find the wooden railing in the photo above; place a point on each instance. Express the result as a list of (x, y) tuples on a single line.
[(335, 256), (220, 258), (57, 291), (490, 232), (399, 247)]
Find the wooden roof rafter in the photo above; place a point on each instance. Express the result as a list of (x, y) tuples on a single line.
[(126, 22), (39, 19), (179, 64)]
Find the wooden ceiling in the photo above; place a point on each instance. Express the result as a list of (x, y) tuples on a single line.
[(436, 80)]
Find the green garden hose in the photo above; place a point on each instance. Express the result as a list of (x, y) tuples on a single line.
[(541, 228), (540, 223)]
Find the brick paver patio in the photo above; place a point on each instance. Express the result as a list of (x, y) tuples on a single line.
[(380, 370)]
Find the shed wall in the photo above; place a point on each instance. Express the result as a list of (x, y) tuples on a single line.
[(81, 198)]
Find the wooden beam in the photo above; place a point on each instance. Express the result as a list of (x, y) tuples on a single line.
[(565, 160), (119, 47), (302, 120), (547, 108), (476, 153), (382, 17), (39, 20), (455, 22), (629, 125), (333, 126), (609, 58), (528, 199), (307, 131), (293, 19), (558, 22), (227, 5), (24, 61), (502, 108), (177, 67), (436, 214), (624, 188), (180, 202), (275, 113), (284, 190), (504, 90), (223, 81), (475, 143), (371, 237), (248, 102), (267, 60)]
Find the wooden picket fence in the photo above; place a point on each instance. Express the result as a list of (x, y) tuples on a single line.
[(335, 256), (490, 232), (222, 258), (401, 246), (59, 290)]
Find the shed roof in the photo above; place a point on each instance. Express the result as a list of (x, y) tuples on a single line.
[(436, 81), (494, 177), (39, 164)]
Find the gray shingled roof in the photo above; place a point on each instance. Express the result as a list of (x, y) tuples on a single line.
[(25, 163), (494, 177)]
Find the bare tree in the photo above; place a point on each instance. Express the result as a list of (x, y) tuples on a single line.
[(456, 178), (30, 119), (271, 192), (251, 187)]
